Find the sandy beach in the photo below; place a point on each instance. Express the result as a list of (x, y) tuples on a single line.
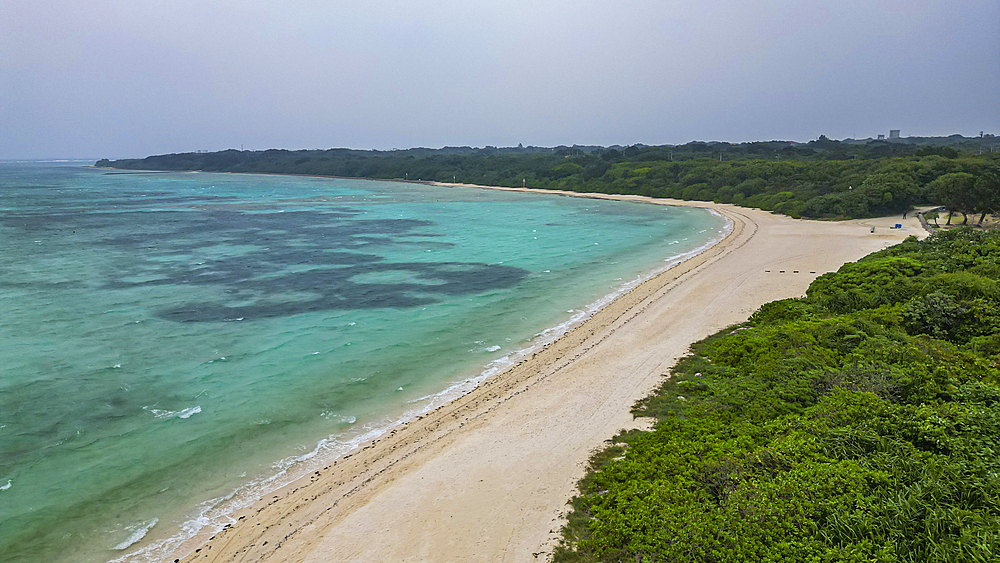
[(487, 476)]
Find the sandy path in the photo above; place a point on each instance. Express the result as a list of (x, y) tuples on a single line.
[(487, 476)]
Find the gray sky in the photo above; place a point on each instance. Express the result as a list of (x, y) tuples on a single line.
[(128, 78)]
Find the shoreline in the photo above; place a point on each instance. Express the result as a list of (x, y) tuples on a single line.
[(298, 467), (213, 514), (344, 470), (316, 503), (396, 498)]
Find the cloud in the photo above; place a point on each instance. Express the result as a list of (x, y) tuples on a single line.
[(119, 79)]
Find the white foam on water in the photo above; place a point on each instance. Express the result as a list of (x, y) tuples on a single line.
[(10, 483), (165, 414), (493, 348), (139, 531), (212, 515), (330, 415)]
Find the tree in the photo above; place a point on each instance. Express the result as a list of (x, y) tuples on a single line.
[(886, 192), (954, 191), (986, 194), (611, 155)]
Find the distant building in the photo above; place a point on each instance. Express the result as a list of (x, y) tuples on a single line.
[(881, 137), (893, 133)]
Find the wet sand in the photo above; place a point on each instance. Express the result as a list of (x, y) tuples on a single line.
[(487, 476)]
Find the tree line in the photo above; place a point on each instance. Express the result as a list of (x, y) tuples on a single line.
[(819, 179)]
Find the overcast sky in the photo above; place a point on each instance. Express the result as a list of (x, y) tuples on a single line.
[(129, 78)]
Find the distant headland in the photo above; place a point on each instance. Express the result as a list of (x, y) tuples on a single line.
[(823, 178)]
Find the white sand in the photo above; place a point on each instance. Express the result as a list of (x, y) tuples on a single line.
[(487, 476)]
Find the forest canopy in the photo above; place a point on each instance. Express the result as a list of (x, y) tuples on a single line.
[(819, 179)]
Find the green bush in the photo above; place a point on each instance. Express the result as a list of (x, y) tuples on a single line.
[(861, 423)]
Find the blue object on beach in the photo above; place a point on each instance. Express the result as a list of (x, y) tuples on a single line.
[(898, 226)]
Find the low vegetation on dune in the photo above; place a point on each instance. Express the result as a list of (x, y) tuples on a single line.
[(859, 423)]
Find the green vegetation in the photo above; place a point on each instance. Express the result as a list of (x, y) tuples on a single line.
[(859, 423), (819, 179), (964, 193)]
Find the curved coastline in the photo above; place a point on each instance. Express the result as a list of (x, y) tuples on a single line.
[(213, 515), (447, 399), (295, 522), (417, 491)]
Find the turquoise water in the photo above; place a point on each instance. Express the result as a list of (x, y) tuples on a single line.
[(175, 345)]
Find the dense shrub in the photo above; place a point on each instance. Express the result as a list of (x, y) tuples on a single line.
[(860, 423)]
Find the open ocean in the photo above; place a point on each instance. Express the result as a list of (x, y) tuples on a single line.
[(175, 345)]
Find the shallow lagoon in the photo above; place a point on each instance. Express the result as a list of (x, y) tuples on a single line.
[(176, 344)]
